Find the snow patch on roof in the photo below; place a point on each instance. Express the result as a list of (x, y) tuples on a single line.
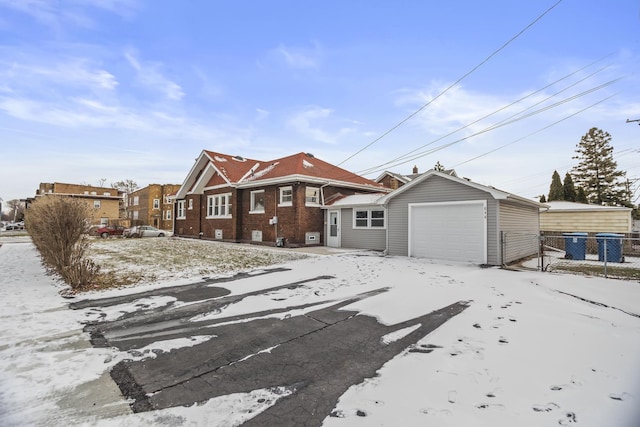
[(263, 172), (219, 159), (306, 164), (571, 206), (359, 199)]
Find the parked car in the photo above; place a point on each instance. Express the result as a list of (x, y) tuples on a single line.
[(110, 230), (15, 226), (145, 231)]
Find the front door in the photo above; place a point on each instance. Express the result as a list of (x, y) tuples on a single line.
[(333, 229)]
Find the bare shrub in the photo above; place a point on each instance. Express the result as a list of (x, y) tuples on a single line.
[(58, 228)]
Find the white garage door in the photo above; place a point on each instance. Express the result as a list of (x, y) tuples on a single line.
[(454, 231)]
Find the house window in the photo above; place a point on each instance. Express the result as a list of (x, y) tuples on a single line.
[(167, 214), (136, 200), (106, 193), (368, 218), (218, 206), (156, 203), (135, 215), (190, 204), (312, 196), (180, 214), (286, 196), (257, 201), (96, 204)]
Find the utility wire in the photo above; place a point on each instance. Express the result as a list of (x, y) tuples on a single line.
[(505, 122), (453, 84), (406, 155), (534, 133)]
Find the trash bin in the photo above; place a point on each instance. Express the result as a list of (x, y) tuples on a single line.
[(614, 247), (575, 245)]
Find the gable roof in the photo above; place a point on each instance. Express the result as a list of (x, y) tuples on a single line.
[(407, 178), (495, 193), (242, 172)]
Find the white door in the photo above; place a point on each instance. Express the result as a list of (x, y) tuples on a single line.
[(333, 229), (452, 231)]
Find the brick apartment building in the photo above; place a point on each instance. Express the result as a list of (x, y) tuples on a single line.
[(152, 205), (104, 203)]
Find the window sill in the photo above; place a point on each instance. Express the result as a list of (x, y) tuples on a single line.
[(256, 212), (219, 217), (284, 205)]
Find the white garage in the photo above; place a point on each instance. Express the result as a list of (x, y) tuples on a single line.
[(454, 231), (444, 217)]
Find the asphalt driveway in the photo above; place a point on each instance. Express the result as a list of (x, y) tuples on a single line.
[(309, 354)]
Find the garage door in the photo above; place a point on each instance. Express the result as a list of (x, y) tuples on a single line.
[(453, 231)]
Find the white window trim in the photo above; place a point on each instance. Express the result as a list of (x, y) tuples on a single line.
[(97, 204), (156, 203), (223, 196), (180, 211), (167, 214), (306, 202), (369, 218), (190, 204), (290, 202), (253, 195)]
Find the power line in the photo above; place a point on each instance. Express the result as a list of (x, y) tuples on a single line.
[(453, 84), (512, 119), (406, 155), (534, 133)]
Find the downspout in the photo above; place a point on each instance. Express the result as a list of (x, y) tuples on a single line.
[(325, 213)]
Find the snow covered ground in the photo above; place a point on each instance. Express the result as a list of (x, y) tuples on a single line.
[(532, 349)]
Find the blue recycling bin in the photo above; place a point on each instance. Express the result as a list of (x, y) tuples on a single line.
[(614, 247), (575, 245)]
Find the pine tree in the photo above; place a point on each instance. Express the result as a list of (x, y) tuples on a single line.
[(555, 190), (543, 199), (597, 172), (581, 197), (568, 188)]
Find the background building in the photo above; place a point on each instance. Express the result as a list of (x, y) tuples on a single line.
[(104, 202), (153, 205)]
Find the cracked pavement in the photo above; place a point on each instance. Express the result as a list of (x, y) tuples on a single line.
[(314, 351)]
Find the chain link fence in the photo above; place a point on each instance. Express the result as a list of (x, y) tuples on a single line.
[(597, 254)]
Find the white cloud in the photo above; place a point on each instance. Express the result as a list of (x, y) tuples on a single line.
[(76, 72), (58, 14), (149, 76), (297, 57), (316, 123)]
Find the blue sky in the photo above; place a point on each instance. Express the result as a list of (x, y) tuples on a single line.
[(135, 89)]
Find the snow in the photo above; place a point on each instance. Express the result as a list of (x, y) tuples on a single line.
[(529, 350), (306, 164), (219, 159)]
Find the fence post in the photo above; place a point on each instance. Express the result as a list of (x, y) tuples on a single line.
[(541, 252), (605, 257)]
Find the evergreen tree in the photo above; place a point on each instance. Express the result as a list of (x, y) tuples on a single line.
[(543, 199), (555, 190), (568, 188), (581, 197), (597, 172)]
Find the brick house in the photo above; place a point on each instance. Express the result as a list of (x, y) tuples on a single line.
[(236, 199), (103, 202), (152, 205)]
